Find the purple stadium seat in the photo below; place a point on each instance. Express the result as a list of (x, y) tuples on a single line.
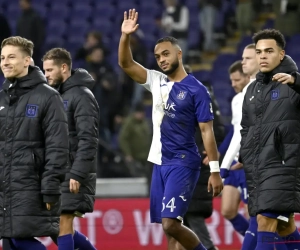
[(292, 50), (148, 25), (58, 11), (225, 93), (75, 42), (105, 11), (37, 2), (13, 10), (57, 27), (56, 4), (220, 21), (269, 24), (194, 18), (42, 9), (202, 75), (150, 8), (78, 64), (151, 61), (79, 31), (13, 25), (294, 39), (52, 40), (193, 39), (82, 3), (83, 13), (150, 42), (219, 75), (128, 4), (246, 40), (104, 26), (225, 60), (192, 4)]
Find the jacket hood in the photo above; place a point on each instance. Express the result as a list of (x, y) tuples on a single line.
[(34, 77), (287, 66), (79, 77)]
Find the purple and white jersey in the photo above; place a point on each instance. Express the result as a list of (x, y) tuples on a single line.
[(178, 107)]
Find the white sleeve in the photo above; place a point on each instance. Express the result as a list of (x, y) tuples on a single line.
[(183, 23), (153, 76), (233, 148)]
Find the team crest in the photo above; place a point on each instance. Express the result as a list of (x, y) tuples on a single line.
[(181, 95), (275, 94), (66, 105), (31, 110)]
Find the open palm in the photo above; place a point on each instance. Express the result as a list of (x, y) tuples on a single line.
[(129, 24)]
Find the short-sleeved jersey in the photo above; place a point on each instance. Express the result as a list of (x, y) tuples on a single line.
[(178, 107), (234, 147)]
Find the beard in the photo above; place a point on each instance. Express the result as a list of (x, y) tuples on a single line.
[(174, 66), (57, 81)]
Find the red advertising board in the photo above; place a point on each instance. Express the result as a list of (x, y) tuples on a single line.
[(124, 224)]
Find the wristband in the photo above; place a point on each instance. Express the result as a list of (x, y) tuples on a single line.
[(214, 166)]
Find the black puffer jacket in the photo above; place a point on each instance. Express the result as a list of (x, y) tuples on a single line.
[(270, 143), (201, 203), (83, 118), (33, 156)]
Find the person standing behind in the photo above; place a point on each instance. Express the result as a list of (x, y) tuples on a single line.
[(175, 21), (270, 142), (135, 142), (31, 26), (33, 149), (207, 16), (78, 189)]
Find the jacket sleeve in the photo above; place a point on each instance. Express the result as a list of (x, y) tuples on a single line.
[(296, 85), (245, 127), (86, 118), (55, 129)]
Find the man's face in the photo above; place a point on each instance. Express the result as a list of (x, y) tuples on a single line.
[(249, 62), (139, 115), (14, 62), (53, 73), (169, 3), (23, 4), (268, 55), (97, 55), (168, 57), (239, 81), (92, 40)]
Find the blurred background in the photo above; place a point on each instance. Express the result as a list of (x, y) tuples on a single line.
[(212, 35)]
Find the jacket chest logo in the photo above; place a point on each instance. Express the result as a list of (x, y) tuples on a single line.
[(31, 110), (274, 94), (66, 105)]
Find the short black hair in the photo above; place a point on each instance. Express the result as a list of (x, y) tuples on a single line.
[(236, 66), (270, 34), (170, 39)]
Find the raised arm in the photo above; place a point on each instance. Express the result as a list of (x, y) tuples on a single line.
[(133, 69)]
